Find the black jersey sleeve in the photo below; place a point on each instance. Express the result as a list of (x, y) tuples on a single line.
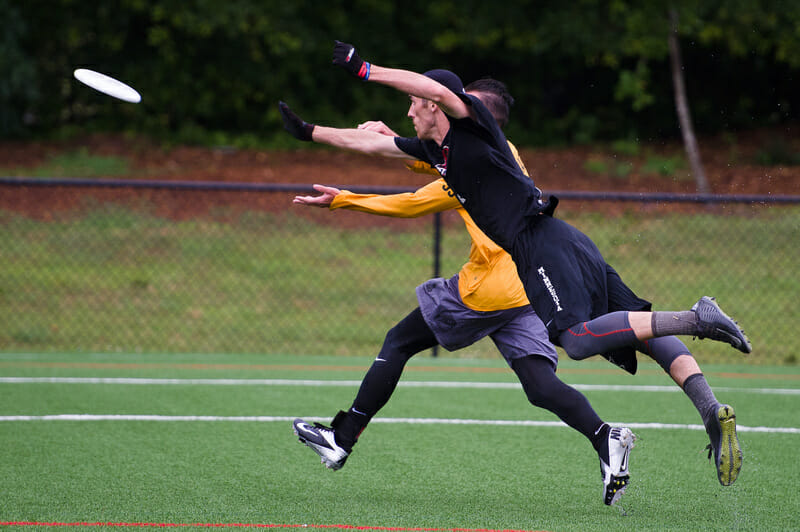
[(414, 147)]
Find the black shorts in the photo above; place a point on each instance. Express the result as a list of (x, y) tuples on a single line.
[(566, 277)]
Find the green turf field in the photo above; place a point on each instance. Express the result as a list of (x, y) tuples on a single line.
[(206, 440)]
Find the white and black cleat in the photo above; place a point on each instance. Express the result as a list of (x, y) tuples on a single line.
[(614, 467), (322, 441)]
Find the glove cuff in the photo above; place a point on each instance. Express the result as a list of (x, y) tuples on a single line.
[(363, 72), (308, 131)]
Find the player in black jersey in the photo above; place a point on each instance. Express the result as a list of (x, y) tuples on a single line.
[(497, 307), (586, 307)]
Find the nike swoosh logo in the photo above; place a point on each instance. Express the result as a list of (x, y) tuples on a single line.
[(305, 427), (624, 465), (377, 359)]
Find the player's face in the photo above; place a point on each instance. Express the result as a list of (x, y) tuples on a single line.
[(421, 113)]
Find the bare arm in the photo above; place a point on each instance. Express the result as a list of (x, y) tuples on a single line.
[(345, 56), (360, 140), (422, 87)]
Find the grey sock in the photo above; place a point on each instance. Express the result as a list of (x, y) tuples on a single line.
[(698, 390), (674, 323)]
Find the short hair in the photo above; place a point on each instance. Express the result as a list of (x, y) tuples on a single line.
[(497, 98)]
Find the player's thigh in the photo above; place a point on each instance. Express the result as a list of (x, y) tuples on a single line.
[(523, 335)]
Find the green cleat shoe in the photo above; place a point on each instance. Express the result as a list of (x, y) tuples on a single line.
[(725, 445)]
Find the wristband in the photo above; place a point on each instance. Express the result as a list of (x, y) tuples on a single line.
[(363, 72)]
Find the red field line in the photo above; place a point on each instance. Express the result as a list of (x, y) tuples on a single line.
[(255, 525)]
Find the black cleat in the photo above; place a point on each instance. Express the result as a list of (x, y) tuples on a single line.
[(714, 324)]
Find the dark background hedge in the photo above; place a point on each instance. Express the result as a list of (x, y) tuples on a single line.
[(581, 71)]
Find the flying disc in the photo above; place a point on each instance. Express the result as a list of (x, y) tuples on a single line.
[(107, 85)]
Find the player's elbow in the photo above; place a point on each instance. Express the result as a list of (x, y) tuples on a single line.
[(439, 93)]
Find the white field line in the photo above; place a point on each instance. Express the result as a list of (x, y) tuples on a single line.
[(411, 384), (409, 421), (353, 383)]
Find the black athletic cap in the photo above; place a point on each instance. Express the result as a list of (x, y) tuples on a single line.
[(446, 78)]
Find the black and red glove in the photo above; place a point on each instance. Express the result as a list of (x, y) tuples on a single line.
[(295, 125), (345, 56)]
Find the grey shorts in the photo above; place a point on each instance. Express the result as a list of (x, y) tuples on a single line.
[(516, 332)]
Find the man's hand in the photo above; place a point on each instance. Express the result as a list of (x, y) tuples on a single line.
[(378, 127), (345, 56), (323, 200), (295, 125)]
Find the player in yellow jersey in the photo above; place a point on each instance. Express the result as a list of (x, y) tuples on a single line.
[(587, 307), (486, 298)]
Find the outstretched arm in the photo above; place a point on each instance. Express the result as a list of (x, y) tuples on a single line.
[(433, 197), (360, 140), (345, 56), (324, 199)]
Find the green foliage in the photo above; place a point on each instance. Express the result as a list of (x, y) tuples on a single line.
[(596, 166), (778, 151), (79, 163), (580, 71), (626, 147), (18, 87), (623, 169), (632, 86), (666, 166)]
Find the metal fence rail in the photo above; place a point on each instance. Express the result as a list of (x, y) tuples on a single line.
[(175, 267)]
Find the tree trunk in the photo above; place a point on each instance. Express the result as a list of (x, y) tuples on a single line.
[(682, 107)]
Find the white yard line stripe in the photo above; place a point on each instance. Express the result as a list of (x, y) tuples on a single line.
[(409, 421), (351, 383)]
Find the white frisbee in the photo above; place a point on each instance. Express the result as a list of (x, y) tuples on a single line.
[(107, 85)]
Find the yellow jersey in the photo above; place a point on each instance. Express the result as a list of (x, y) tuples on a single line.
[(488, 281)]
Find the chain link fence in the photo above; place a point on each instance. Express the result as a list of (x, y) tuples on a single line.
[(199, 268)]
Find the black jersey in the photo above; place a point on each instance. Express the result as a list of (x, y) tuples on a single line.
[(476, 162)]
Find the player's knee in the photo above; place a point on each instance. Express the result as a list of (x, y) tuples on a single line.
[(577, 348), (536, 397), (665, 350), (538, 378), (394, 344)]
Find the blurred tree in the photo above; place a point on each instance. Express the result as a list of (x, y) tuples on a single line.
[(18, 85), (682, 108), (580, 71)]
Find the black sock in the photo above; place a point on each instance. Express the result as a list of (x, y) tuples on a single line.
[(348, 426), (600, 439), (674, 323)]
